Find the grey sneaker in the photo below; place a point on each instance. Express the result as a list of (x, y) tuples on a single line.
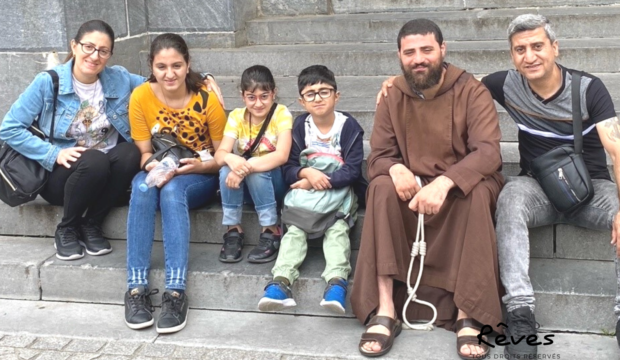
[(520, 324)]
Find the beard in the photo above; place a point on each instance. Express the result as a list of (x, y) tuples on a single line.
[(424, 81)]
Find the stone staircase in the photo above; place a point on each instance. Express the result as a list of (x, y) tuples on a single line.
[(572, 269)]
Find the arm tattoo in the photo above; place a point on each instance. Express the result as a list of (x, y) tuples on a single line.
[(614, 129)]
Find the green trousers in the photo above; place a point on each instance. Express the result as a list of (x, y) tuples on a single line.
[(294, 246)]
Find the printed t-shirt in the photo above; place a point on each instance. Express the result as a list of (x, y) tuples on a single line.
[(241, 130), (196, 126)]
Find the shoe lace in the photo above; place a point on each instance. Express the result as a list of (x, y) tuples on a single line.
[(232, 242), (522, 325), (93, 230), (69, 236), (139, 301), (171, 304)]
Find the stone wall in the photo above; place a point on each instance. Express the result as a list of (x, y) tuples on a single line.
[(31, 29)]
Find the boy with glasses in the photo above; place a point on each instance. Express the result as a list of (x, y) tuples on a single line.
[(326, 156)]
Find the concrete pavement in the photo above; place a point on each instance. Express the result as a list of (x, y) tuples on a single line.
[(56, 330)]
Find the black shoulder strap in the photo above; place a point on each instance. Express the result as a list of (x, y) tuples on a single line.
[(577, 120), (54, 76), (259, 137)]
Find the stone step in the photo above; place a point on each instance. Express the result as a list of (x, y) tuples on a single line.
[(358, 97), (354, 59), (39, 219), (569, 22), (498, 4), (413, 7), (231, 335), (211, 284), (570, 293)]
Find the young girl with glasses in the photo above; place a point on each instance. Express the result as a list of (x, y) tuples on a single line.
[(251, 160)]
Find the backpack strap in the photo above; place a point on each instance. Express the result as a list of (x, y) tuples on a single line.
[(577, 121), (55, 83)]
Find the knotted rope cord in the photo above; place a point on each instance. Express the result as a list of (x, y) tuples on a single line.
[(418, 248)]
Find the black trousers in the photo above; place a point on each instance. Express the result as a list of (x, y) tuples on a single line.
[(94, 183)]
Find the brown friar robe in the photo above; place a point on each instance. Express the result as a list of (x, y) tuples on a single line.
[(455, 134)]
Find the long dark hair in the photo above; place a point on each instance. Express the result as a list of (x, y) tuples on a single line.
[(89, 27), (193, 80)]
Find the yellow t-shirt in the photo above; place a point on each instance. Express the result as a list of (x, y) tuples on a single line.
[(238, 128), (195, 126)]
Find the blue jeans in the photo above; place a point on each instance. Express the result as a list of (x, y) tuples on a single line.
[(175, 199), (266, 190), (522, 205)]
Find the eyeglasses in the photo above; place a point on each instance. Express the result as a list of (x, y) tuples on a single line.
[(324, 94), (90, 48), (251, 98)]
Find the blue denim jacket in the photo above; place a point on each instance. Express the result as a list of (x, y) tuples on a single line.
[(37, 99)]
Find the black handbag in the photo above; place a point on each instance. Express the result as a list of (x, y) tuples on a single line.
[(23, 178), (562, 172), (164, 144)]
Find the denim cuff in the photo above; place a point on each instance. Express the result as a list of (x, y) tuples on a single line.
[(232, 215)]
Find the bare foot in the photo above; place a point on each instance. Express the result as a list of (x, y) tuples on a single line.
[(373, 346), (238, 227), (273, 228), (469, 349)]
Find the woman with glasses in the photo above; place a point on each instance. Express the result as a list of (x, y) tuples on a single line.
[(257, 141), (92, 159)]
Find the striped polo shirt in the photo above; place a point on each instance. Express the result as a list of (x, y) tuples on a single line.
[(546, 123)]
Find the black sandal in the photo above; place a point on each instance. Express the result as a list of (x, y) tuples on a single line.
[(470, 339), (386, 341)]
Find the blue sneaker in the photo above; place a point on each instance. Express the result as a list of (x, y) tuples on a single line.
[(277, 297), (335, 295)]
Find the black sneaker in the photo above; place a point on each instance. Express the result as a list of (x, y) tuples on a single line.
[(267, 248), (67, 244), (138, 308), (520, 323), (93, 240), (173, 317), (233, 245)]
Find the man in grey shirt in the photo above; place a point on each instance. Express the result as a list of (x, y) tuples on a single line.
[(537, 95)]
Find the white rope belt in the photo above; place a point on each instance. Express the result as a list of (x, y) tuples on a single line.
[(418, 248)]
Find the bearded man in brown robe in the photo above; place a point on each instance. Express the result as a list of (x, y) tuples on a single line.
[(438, 123)]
